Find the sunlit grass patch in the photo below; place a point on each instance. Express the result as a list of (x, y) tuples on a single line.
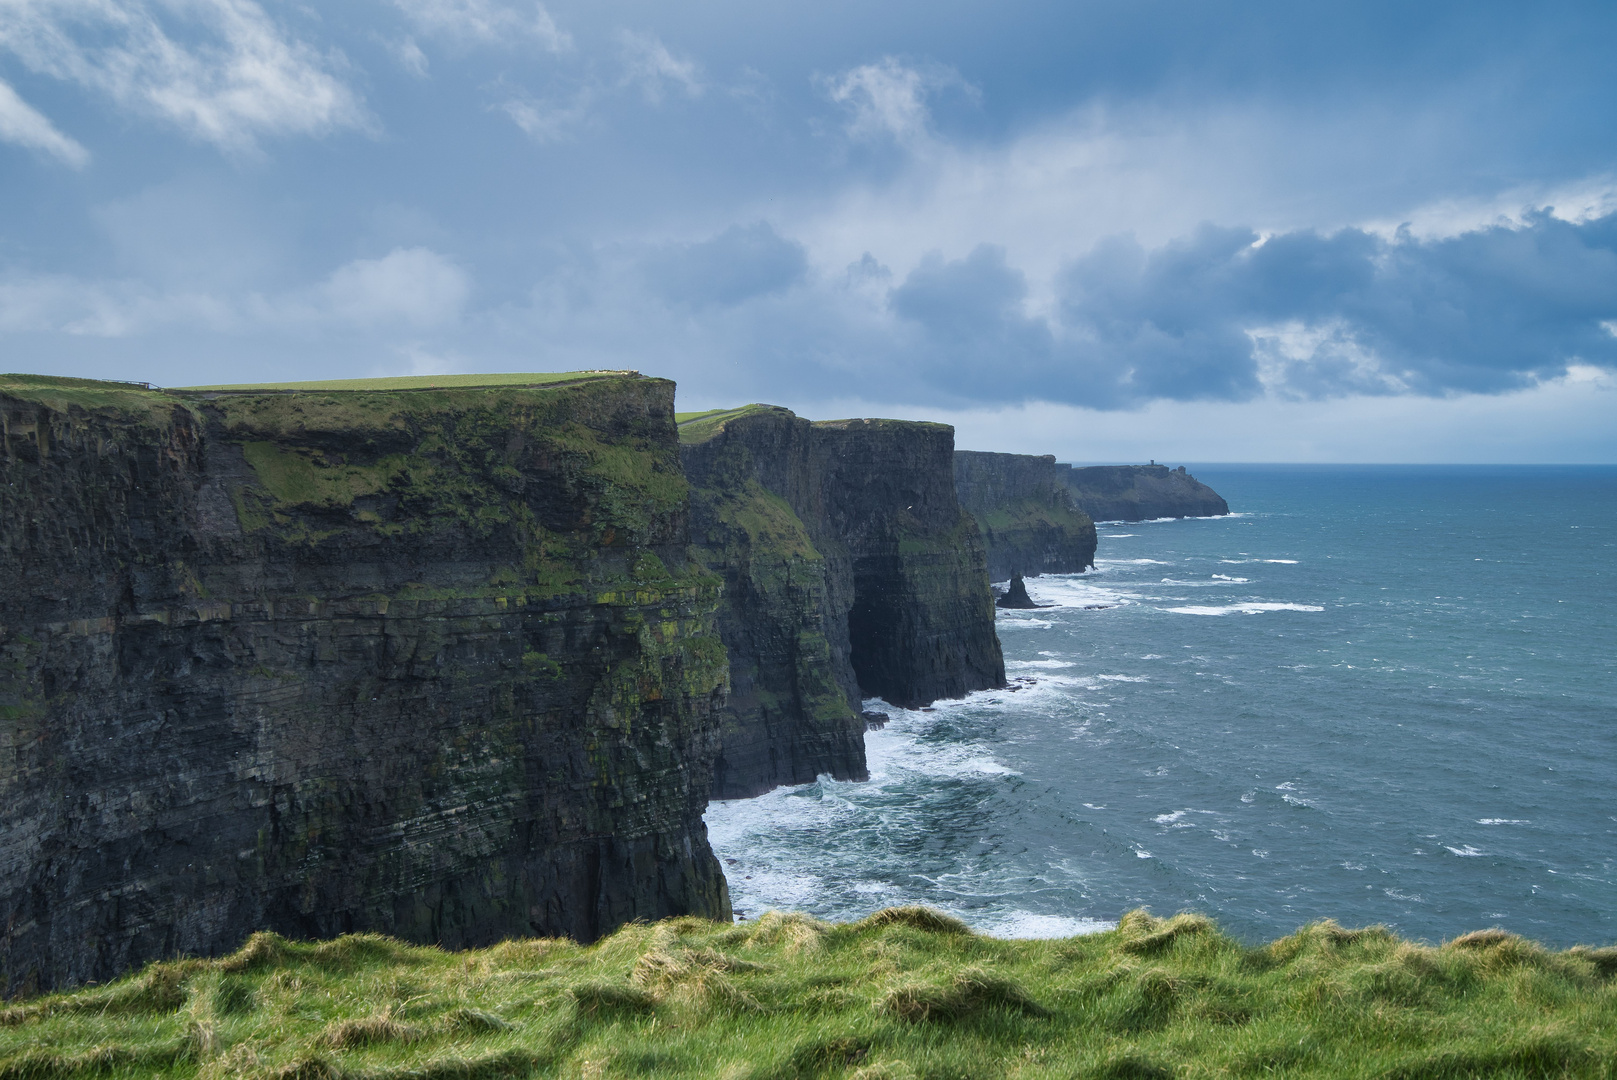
[(907, 994), (420, 382)]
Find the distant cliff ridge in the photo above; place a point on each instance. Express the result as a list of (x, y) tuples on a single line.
[(436, 663), (1030, 520), (1141, 492), (851, 570)]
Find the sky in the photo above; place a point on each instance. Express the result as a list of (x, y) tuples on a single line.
[(1169, 229)]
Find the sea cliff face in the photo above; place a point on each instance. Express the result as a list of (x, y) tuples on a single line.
[(436, 664), (1142, 492), (1030, 522), (851, 571)]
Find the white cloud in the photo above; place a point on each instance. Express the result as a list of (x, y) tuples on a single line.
[(238, 79), (1576, 201), (547, 121), (410, 57), (59, 303), (407, 290), (885, 98), (649, 65), (1560, 421), (24, 125), (486, 22), (411, 286)]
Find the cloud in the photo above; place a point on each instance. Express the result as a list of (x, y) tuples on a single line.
[(414, 287), (405, 292), (410, 57), (1221, 315), (649, 65), (486, 22), (548, 121), (888, 98), (977, 338), (238, 79), (739, 264), (22, 124)]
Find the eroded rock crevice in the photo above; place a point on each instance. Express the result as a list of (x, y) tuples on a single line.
[(852, 571)]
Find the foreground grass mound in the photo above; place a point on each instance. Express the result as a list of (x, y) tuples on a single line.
[(906, 993)]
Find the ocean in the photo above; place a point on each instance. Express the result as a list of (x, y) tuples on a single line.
[(1376, 694)]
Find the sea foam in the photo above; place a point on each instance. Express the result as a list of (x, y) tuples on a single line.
[(1242, 609)]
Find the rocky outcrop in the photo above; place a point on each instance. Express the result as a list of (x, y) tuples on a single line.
[(1142, 492), (1030, 522), (851, 571), (431, 663), (1016, 597)]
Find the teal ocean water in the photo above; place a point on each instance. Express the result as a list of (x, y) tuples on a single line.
[(1376, 694)]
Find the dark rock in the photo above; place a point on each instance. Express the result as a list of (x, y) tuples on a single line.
[(1141, 492), (1016, 596), (851, 571), (1029, 519), (435, 664)]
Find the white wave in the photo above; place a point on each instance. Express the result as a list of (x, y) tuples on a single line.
[(1075, 591), (1231, 580), (1287, 786), (1119, 536), (1177, 817), (1466, 851), (1023, 665), (1141, 853), (1396, 895), (1122, 678), (1502, 821), (1027, 926), (1287, 562), (1237, 561), (1132, 562), (1297, 800), (1016, 620), (1242, 609)]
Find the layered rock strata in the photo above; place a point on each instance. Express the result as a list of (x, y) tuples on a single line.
[(1142, 492), (1030, 522), (851, 571), (432, 663)]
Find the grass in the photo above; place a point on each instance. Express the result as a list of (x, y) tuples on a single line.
[(696, 427), (906, 993), (421, 382)]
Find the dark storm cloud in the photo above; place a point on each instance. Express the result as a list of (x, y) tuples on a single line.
[(1226, 315), (742, 262)]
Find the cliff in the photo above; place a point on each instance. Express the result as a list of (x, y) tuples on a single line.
[(1142, 492), (433, 662), (1030, 522), (851, 571)]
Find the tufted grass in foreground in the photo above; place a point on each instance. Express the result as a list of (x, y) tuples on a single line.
[(906, 993)]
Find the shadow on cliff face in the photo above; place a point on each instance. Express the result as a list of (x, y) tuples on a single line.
[(850, 571)]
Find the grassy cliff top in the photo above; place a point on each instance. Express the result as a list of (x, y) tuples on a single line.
[(903, 995), (63, 393), (879, 423), (697, 427), (420, 382)]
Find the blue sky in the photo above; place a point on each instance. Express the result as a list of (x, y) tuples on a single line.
[(1109, 231)]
